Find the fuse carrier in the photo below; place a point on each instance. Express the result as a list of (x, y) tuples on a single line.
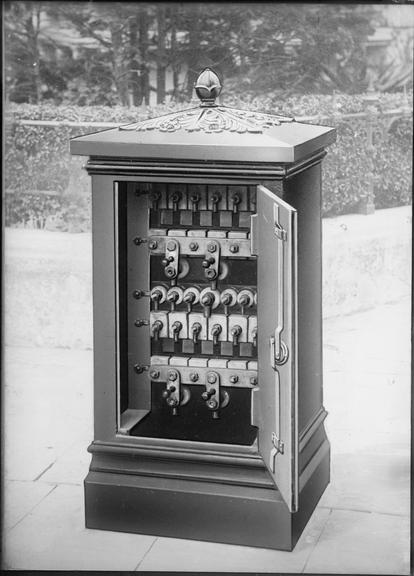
[(201, 291)]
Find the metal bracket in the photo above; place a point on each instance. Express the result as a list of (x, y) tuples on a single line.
[(212, 261), (280, 232), (281, 358), (173, 392), (172, 256), (278, 448)]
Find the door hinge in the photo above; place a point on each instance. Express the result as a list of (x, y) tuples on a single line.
[(277, 443), (278, 448), (279, 357), (280, 232)]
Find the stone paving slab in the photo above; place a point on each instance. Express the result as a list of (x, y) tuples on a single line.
[(362, 543), (179, 555), (53, 537)]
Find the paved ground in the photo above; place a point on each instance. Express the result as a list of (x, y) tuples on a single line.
[(360, 526)]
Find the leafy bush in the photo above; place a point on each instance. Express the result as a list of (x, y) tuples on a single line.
[(37, 157)]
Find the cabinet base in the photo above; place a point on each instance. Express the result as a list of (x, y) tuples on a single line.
[(201, 510)]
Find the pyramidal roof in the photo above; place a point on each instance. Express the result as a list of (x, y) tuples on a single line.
[(209, 132)]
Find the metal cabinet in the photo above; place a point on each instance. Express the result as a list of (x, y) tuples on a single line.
[(207, 323)]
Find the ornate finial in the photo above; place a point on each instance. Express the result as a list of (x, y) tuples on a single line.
[(208, 87), (212, 117)]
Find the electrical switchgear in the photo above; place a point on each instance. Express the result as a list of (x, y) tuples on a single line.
[(207, 319)]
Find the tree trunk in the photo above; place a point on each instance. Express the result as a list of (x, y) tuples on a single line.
[(119, 72), (32, 24), (134, 83), (174, 55), (143, 51), (193, 49), (161, 53)]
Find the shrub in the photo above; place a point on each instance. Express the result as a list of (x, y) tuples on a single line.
[(37, 157)]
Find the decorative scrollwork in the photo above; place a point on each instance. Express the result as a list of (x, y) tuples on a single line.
[(211, 119)]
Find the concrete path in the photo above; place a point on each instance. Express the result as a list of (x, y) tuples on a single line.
[(361, 524)]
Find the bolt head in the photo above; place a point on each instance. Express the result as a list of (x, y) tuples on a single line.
[(234, 248), (253, 380), (211, 247), (212, 404), (152, 244), (171, 245), (172, 401), (172, 375), (170, 272), (211, 274), (137, 241), (194, 376), (211, 378), (154, 374), (137, 294), (233, 378), (138, 369), (193, 246)]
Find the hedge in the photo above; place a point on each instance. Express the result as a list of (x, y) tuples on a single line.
[(46, 187)]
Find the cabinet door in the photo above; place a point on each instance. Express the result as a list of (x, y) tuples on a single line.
[(275, 406)]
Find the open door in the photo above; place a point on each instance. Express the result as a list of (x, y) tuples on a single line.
[(275, 400)]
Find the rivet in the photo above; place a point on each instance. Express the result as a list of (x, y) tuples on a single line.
[(193, 376), (234, 248), (253, 380), (171, 245), (152, 244), (233, 378)]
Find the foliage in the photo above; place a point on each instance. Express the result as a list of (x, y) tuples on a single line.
[(37, 157), (108, 53)]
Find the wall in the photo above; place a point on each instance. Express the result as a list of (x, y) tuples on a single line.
[(48, 292)]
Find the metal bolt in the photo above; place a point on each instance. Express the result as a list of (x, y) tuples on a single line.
[(193, 246), (152, 244), (138, 241), (171, 245), (212, 404), (234, 248), (154, 374), (172, 401), (170, 271), (139, 369), (211, 378), (172, 375), (137, 294), (211, 274), (253, 380), (193, 376), (233, 378), (211, 247)]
